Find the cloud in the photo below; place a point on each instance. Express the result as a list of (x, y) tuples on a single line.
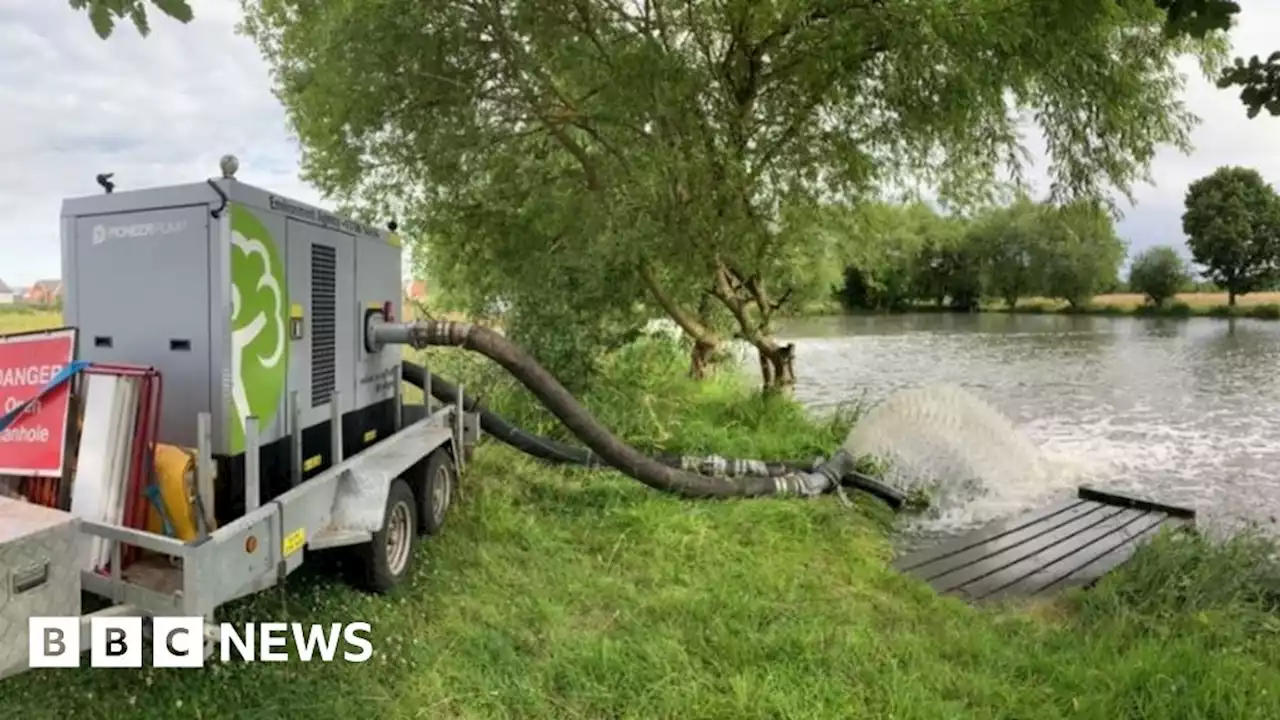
[(154, 111), (163, 109), (1225, 136)]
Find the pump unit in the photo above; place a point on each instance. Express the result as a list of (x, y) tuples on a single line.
[(249, 304)]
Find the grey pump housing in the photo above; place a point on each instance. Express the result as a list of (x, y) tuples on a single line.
[(248, 303)]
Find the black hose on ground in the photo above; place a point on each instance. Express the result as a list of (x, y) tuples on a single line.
[(494, 424), (563, 453), (622, 457)]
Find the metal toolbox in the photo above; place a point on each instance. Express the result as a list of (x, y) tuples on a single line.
[(39, 573)]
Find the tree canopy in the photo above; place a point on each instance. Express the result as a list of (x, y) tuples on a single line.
[(1232, 224), (672, 155), (1159, 273), (1258, 79), (590, 164)]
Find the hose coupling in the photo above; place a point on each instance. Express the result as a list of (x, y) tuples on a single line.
[(417, 335), (825, 476), (802, 484)]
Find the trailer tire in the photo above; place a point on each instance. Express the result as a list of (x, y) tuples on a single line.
[(387, 560), (439, 481)]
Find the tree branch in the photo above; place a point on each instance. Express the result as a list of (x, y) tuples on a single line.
[(588, 27), (823, 12), (687, 322), (724, 292), (806, 111), (569, 114)]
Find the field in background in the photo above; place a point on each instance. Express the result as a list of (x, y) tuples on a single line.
[(22, 319), (1197, 301), (1260, 306)]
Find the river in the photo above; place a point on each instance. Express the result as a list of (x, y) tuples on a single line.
[(1181, 411)]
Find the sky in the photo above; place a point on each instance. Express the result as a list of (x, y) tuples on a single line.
[(162, 110)]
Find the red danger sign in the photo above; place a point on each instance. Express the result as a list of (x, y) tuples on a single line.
[(33, 444)]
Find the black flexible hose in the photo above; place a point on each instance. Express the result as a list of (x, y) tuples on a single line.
[(605, 444), (828, 475), (836, 470), (563, 453)]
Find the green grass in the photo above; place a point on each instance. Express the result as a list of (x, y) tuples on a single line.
[(25, 318), (567, 594)]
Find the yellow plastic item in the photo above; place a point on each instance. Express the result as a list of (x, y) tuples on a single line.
[(176, 477)]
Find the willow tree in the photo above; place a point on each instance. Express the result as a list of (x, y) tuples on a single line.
[(665, 138), (1079, 253), (1007, 239)]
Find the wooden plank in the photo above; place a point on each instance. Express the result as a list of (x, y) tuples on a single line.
[(1070, 543), (1106, 562), (1075, 550), (1119, 499), (1007, 541), (1000, 528), (1004, 557)]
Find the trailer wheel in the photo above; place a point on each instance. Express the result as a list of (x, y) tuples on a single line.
[(386, 561), (438, 484)]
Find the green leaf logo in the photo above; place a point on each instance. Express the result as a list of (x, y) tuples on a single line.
[(259, 318)]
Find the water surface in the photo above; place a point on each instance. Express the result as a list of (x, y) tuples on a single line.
[(1182, 411)]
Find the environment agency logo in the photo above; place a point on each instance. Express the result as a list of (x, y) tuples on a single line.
[(259, 307)]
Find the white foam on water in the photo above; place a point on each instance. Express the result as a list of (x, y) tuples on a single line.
[(1217, 468), (1184, 413), (974, 463)]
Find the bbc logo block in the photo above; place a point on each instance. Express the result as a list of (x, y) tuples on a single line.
[(178, 642), (53, 642), (115, 642), (119, 641)]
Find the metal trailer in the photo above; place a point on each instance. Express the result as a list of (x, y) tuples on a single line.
[(303, 440)]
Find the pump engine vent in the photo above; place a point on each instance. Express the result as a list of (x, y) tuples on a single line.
[(324, 345)]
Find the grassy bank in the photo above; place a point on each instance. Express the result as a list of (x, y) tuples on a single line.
[(564, 594)]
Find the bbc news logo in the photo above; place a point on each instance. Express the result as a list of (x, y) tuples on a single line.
[(179, 642)]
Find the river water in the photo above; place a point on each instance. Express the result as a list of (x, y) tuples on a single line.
[(1180, 411)]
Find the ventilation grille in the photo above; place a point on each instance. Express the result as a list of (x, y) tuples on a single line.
[(324, 345)]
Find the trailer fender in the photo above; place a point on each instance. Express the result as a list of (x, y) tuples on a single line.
[(361, 498)]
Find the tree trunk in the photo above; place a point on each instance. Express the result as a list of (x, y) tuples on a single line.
[(777, 362), (701, 359), (777, 367), (704, 356), (705, 342), (1231, 298)]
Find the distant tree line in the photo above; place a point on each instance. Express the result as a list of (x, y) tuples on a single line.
[(907, 255), (901, 256)]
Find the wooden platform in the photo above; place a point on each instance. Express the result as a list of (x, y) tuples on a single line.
[(1070, 544)]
